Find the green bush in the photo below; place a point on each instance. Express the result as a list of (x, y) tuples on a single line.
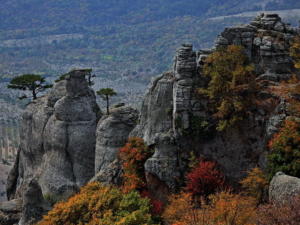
[(101, 205), (285, 150)]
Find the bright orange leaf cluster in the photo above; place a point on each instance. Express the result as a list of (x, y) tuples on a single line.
[(133, 156), (223, 208)]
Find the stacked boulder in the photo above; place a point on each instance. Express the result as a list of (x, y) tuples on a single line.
[(112, 134), (266, 40), (58, 137)]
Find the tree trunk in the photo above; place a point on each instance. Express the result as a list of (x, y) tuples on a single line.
[(107, 104), (33, 94)]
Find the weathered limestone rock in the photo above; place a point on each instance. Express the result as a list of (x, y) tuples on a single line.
[(282, 188), (110, 174), (267, 41), (58, 139), (10, 212), (157, 109), (112, 134), (34, 205), (164, 163)]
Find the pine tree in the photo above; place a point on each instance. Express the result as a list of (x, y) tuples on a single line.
[(105, 94), (231, 86), (29, 82)]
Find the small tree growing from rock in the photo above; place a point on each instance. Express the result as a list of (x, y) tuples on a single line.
[(231, 86), (29, 82), (105, 94)]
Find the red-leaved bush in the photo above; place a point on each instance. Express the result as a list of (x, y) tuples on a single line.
[(157, 205), (205, 179)]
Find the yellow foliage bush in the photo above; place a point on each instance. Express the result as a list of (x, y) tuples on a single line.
[(255, 184), (223, 208), (96, 204)]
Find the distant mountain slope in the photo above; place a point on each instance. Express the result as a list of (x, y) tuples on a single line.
[(24, 14), (125, 40)]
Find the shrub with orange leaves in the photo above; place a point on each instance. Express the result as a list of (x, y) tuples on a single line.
[(224, 208), (231, 209), (255, 184), (290, 92), (280, 214), (204, 179), (96, 204), (285, 149), (182, 211), (133, 156)]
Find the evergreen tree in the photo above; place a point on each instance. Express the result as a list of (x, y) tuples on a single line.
[(105, 94), (29, 82), (231, 86)]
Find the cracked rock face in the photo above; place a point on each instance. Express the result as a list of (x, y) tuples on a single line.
[(112, 134), (58, 136), (157, 109)]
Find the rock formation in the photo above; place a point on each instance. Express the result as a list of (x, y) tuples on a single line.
[(65, 143), (172, 108), (112, 134), (58, 139), (267, 41), (283, 188)]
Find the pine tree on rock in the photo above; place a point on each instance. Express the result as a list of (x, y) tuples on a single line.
[(29, 82), (105, 94)]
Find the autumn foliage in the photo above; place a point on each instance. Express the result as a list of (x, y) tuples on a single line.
[(231, 86), (285, 149), (295, 52), (204, 179), (223, 208), (133, 156), (255, 184), (181, 210), (96, 204), (287, 213)]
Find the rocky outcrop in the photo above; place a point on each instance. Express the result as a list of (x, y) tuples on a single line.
[(266, 40), (157, 109), (112, 134), (173, 115), (58, 137), (283, 188)]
